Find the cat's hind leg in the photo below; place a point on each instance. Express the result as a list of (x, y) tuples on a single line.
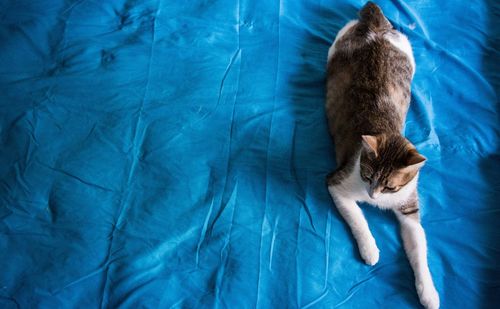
[(340, 34), (352, 214)]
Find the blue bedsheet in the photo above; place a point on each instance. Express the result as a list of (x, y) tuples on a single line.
[(172, 154)]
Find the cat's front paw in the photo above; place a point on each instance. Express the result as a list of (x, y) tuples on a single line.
[(369, 252), (429, 297)]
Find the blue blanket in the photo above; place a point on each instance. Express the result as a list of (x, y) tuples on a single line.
[(173, 154)]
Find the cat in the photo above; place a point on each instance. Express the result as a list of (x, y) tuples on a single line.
[(369, 72)]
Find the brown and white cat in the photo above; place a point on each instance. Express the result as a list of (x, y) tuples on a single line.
[(370, 69)]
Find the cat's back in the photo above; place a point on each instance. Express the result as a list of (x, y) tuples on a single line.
[(370, 68)]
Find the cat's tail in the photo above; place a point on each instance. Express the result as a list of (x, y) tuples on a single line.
[(371, 15)]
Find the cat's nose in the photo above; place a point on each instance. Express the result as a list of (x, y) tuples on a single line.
[(372, 193)]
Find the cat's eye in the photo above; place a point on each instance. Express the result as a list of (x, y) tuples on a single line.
[(391, 189)]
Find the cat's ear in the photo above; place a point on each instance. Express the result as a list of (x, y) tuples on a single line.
[(414, 160), (370, 143)]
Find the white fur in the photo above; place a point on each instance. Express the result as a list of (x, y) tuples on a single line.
[(353, 189), (340, 34), (354, 217), (416, 249), (401, 42)]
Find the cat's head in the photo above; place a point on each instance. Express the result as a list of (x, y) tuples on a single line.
[(388, 163)]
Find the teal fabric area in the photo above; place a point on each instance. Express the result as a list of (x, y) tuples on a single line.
[(173, 154)]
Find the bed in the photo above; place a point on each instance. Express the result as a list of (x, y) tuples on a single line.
[(173, 154)]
